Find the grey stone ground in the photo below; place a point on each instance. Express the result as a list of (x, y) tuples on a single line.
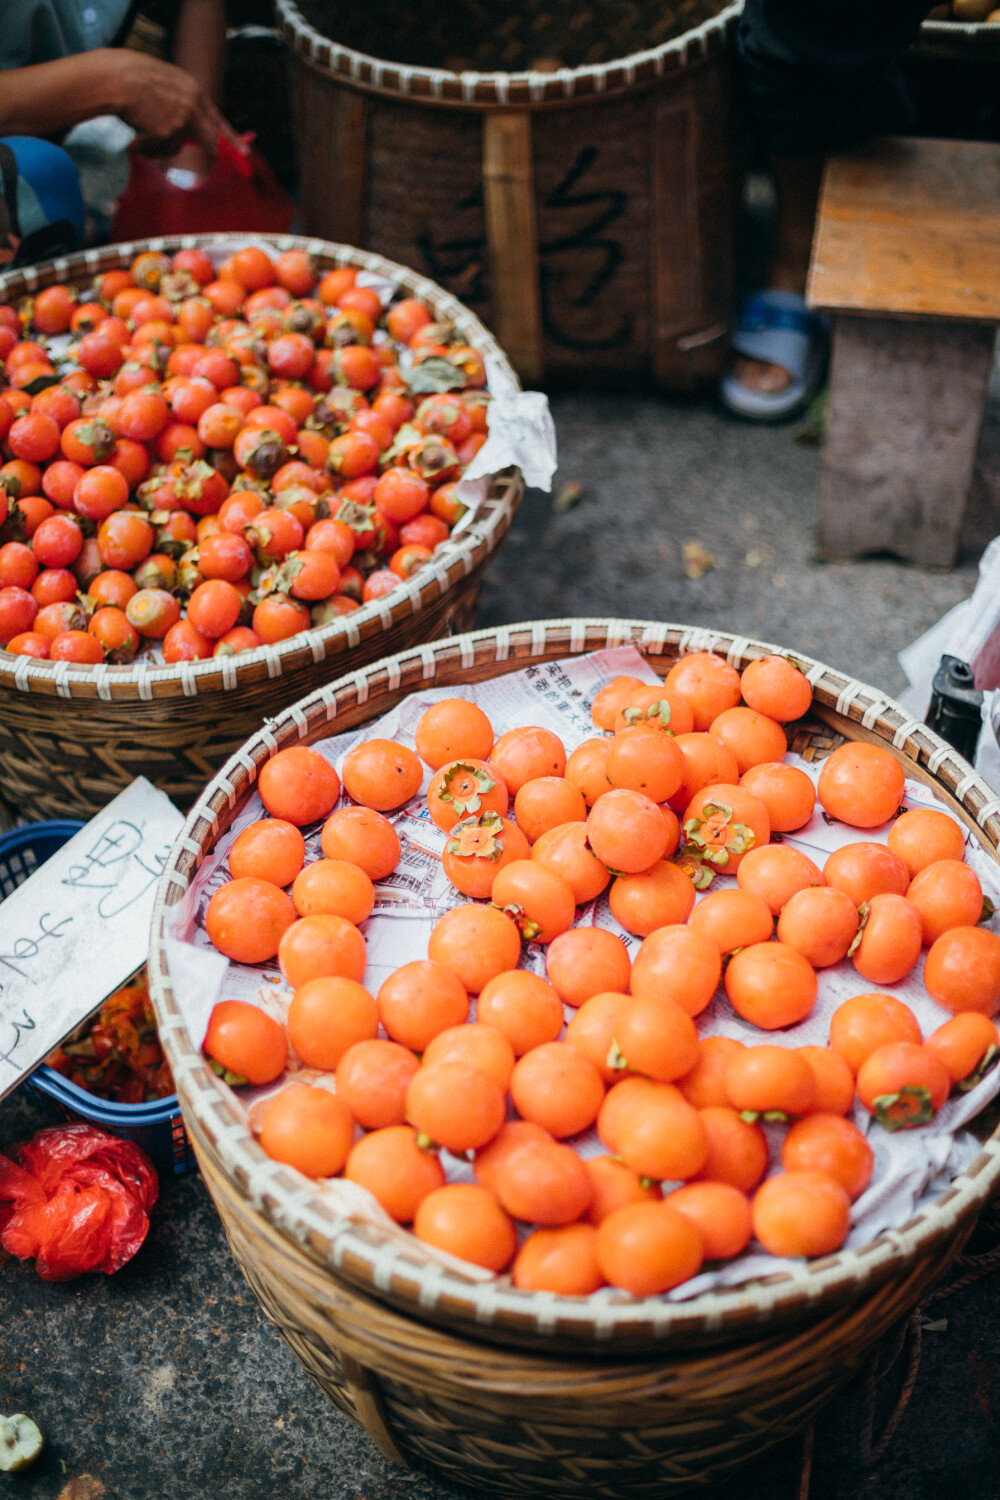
[(165, 1380)]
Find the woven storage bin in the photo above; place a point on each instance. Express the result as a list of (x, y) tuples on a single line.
[(586, 213), (72, 737), (512, 1391)]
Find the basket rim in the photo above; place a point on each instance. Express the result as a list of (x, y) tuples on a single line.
[(444, 86), (453, 560), (391, 1264)]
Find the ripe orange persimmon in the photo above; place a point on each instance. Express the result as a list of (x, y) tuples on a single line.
[(523, 1006), (521, 755), (775, 872), (548, 802), (327, 1016), (478, 848), (656, 1038), (706, 760), (947, 894), (478, 942), (861, 784), (659, 706), (719, 1212), (831, 1145), (537, 1179), (626, 831), (586, 768), (298, 785), (559, 1260), (801, 1214), (463, 789), (478, 1046), (307, 1128), (333, 886), (962, 971), (967, 1045), (247, 918), (903, 1085), (363, 837), (453, 729), (609, 699), (455, 1106), (821, 922), (541, 902), (467, 1221), (866, 1022), (771, 1081), (592, 1031), (381, 774), (557, 1087), (890, 939), (705, 1084), (660, 897), (246, 1042), (708, 683), (653, 1128), (271, 849), (645, 759), (679, 964), (737, 1148), (834, 1080), (732, 918), (722, 823), (419, 1000), (614, 1184), (776, 686), (752, 737), (398, 1172), (566, 851), (922, 836), (786, 792), (647, 1248), (314, 947), (771, 985), (586, 961), (372, 1079), (865, 870)]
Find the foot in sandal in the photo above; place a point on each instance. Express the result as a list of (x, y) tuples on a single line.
[(780, 355)]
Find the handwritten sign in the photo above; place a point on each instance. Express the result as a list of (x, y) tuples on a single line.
[(79, 927)]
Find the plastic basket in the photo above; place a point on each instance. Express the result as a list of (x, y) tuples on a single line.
[(157, 1126)]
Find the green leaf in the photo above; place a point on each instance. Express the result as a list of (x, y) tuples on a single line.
[(434, 376)]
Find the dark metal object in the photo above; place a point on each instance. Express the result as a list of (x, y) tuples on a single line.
[(956, 708)]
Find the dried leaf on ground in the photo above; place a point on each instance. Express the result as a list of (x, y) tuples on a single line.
[(567, 495), (697, 560)]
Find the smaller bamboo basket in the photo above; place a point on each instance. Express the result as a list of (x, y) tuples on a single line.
[(73, 737), (515, 1392)]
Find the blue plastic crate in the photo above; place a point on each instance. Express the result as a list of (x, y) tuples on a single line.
[(157, 1127)]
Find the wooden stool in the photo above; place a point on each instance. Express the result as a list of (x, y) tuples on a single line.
[(906, 257)]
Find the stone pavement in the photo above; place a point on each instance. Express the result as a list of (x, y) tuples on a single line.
[(165, 1380)]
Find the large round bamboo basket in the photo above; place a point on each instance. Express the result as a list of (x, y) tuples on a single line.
[(72, 737), (515, 1391), (569, 169)]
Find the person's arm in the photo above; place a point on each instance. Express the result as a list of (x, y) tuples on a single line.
[(162, 102), (200, 48)]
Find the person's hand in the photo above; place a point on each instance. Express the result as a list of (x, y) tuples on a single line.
[(165, 105)]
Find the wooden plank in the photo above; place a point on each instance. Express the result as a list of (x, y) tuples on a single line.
[(910, 227), (512, 238), (904, 410)]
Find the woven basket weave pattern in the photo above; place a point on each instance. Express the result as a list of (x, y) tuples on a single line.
[(176, 724), (392, 1266)]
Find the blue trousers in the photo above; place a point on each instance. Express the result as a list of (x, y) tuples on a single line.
[(41, 205)]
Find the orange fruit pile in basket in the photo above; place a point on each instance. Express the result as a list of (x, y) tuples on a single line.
[(686, 780), (218, 458)]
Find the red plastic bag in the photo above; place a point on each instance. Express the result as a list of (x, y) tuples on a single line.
[(239, 193), (77, 1199)]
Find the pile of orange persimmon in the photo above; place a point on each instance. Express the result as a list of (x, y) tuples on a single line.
[(688, 780), (218, 459)]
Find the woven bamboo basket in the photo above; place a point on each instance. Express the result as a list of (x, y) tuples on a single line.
[(72, 737), (518, 1392), (578, 189)]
